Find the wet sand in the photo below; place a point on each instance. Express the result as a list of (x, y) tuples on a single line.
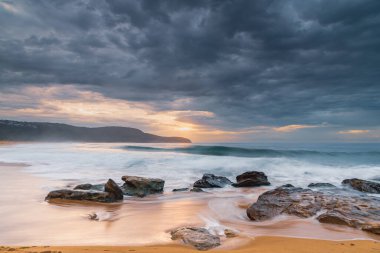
[(259, 245), (26, 219)]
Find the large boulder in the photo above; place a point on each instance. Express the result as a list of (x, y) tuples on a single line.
[(356, 211), (212, 181), (141, 186), (81, 195), (285, 200), (362, 185), (113, 189), (251, 179), (200, 238)]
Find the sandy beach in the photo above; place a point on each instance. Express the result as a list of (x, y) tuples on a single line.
[(143, 225), (259, 245)]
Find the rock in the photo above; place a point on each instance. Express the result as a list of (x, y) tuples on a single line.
[(93, 216), (140, 186), (113, 189), (95, 187), (284, 200), (251, 178), (83, 187), (321, 185), (356, 211), (195, 189), (229, 233), (362, 185), (81, 195), (200, 238), (372, 228), (212, 181), (287, 185), (335, 217), (180, 190)]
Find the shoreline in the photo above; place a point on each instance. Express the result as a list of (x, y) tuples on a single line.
[(262, 244)]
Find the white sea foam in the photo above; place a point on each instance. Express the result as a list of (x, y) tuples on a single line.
[(95, 163)]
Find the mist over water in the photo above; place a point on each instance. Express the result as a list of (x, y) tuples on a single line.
[(181, 164)]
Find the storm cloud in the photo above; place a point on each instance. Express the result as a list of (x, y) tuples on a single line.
[(249, 63)]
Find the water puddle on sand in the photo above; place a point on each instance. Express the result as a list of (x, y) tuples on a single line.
[(26, 219)]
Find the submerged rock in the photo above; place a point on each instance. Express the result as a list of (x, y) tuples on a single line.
[(200, 238), (362, 185), (195, 189), (321, 185), (113, 189), (180, 190), (212, 181), (81, 195), (251, 179), (141, 186), (351, 210)]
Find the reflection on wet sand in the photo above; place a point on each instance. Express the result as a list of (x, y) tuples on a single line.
[(26, 219)]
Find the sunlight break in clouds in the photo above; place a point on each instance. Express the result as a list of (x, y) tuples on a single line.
[(354, 131), (291, 128), (71, 105)]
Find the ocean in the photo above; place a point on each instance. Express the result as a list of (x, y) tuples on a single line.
[(181, 164)]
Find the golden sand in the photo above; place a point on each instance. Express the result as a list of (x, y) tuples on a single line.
[(259, 245)]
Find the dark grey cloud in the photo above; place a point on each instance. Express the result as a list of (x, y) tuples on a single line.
[(249, 62)]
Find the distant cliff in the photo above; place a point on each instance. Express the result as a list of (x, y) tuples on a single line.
[(54, 132)]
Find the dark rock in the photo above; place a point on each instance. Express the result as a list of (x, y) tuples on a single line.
[(180, 190), (83, 187), (93, 216), (113, 189), (356, 211), (195, 189), (284, 200), (335, 217), (287, 185), (362, 185), (140, 186), (321, 185), (251, 178), (212, 181), (372, 228), (200, 238), (95, 187), (81, 195)]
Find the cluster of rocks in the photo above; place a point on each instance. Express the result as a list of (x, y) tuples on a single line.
[(111, 191), (247, 179), (332, 206), (354, 210)]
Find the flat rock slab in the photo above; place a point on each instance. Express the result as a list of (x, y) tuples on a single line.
[(212, 181), (141, 186), (200, 238), (104, 197), (356, 211), (362, 185)]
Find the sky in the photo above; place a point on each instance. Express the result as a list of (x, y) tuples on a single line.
[(212, 71)]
